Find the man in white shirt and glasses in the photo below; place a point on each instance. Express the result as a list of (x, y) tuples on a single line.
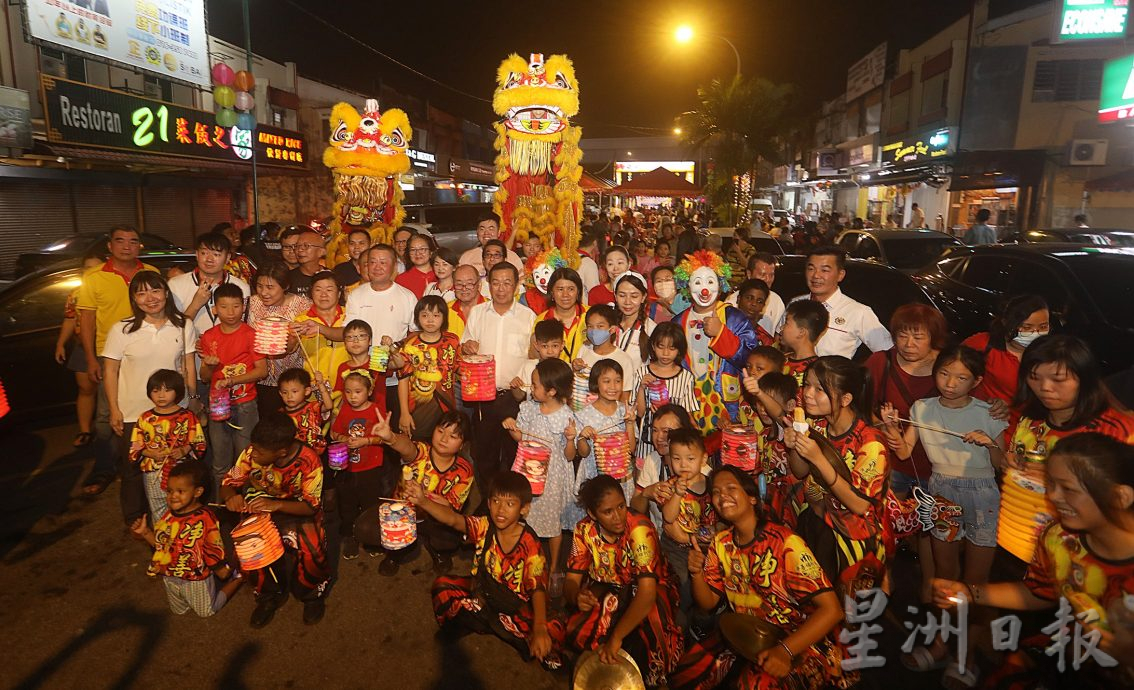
[(501, 328)]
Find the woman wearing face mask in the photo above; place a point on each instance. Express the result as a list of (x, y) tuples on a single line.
[(616, 260), (665, 301), (1023, 319)]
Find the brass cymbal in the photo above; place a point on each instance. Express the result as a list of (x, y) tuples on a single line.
[(748, 635), (592, 674)]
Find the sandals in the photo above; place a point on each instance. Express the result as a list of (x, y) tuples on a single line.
[(95, 487), (83, 438), (922, 660)]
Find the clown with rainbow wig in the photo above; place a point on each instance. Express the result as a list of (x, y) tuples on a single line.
[(537, 271)]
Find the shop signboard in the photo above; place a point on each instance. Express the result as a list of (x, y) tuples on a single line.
[(926, 147), (15, 119), (1117, 99), (93, 116), (167, 38), (1085, 20), (867, 74), (422, 159), (465, 169)]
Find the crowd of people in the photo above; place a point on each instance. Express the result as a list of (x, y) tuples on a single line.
[(628, 380)]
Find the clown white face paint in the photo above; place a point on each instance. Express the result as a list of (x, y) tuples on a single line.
[(540, 275), (704, 287)]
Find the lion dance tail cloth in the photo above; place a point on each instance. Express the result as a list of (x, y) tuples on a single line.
[(537, 153), (367, 153)]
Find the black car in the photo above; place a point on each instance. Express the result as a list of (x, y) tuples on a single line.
[(1105, 237), (881, 287), (77, 246), (451, 225), (1089, 289), (906, 250), (31, 311)]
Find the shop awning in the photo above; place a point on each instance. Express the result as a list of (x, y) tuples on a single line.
[(993, 169), (1119, 182), (892, 176), (657, 182), (593, 183)]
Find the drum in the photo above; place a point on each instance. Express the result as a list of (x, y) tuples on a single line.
[(338, 456), (271, 336), (740, 447), (478, 378), (220, 404), (531, 461), (379, 357), (657, 394), (399, 524), (257, 542), (612, 455)]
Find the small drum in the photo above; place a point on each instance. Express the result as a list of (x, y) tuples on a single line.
[(657, 394), (257, 542), (740, 447), (379, 357), (338, 456), (581, 394), (478, 378), (612, 455), (399, 524), (220, 404), (271, 336), (531, 461)]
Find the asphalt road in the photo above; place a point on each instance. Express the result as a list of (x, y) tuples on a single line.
[(79, 611)]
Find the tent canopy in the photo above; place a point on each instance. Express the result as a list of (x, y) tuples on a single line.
[(593, 183), (657, 182)]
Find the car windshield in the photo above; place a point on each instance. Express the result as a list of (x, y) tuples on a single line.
[(1109, 281), (1113, 239), (914, 252)]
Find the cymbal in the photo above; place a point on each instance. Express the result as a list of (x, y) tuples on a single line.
[(592, 674), (748, 635)]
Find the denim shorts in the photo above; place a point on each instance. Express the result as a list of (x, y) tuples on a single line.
[(980, 502), (902, 484)]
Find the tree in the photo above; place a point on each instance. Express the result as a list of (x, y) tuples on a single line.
[(737, 122)]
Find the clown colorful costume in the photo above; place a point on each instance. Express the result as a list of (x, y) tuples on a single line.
[(537, 272)]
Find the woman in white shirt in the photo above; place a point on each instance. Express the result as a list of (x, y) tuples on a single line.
[(156, 336), (634, 326)]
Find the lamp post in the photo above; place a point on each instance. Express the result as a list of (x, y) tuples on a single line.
[(684, 34)]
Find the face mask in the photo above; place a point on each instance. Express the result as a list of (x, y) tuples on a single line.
[(598, 336), (665, 289), (1025, 339)]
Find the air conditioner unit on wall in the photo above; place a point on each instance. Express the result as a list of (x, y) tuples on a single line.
[(1087, 152)]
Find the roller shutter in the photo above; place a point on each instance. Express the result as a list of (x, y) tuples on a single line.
[(168, 212), (32, 215), (101, 207), (211, 206)]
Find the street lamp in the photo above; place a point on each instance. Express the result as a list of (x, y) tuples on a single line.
[(684, 34), (677, 131)]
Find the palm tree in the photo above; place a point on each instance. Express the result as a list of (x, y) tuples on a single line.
[(737, 122)]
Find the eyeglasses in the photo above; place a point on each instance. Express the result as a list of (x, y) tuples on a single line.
[(356, 338), (288, 247), (493, 255), (464, 284), (419, 250)]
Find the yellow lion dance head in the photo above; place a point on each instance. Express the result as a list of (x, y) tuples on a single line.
[(536, 98), (367, 152)]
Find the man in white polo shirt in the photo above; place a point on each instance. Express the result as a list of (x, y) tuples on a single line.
[(851, 323), (488, 228), (501, 328)]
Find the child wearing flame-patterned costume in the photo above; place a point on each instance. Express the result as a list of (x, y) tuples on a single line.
[(163, 436), (427, 364)]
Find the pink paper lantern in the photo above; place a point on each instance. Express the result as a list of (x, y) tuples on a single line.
[(244, 101), (223, 74)]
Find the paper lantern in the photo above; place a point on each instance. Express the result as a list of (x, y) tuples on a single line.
[(220, 404), (657, 394), (399, 524), (4, 407), (532, 459), (338, 456), (226, 117), (271, 336), (223, 97), (478, 378), (244, 81), (223, 74), (740, 447), (581, 394), (246, 121), (612, 455), (257, 542), (379, 357), (244, 100), (1024, 512)]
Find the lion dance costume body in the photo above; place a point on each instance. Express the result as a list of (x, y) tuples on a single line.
[(537, 153), (367, 153)]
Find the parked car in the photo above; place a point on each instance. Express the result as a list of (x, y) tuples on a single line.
[(1089, 289), (31, 310), (882, 287), (77, 246), (452, 225), (762, 241), (1106, 237), (905, 250)]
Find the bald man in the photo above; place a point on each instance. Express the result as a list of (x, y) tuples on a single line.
[(309, 251)]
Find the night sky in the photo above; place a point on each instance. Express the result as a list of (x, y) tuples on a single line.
[(633, 76)]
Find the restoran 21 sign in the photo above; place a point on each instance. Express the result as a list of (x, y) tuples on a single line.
[(1080, 20), (93, 116)]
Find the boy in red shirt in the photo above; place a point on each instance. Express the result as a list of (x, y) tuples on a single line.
[(230, 363)]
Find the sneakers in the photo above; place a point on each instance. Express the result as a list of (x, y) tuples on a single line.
[(442, 564), (313, 610), (388, 567), (350, 548), (266, 610)]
